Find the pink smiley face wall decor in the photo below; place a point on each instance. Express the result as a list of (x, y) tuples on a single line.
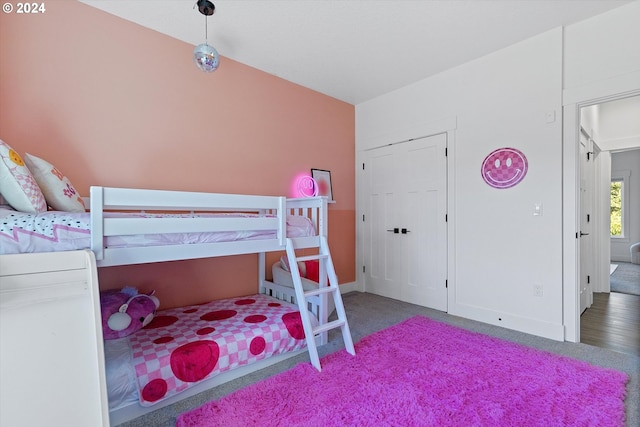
[(504, 168)]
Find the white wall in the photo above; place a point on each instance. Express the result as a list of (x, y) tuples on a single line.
[(504, 99), (619, 124), (500, 250), (603, 47), (628, 161), (615, 124)]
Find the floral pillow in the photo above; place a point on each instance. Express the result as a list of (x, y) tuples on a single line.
[(17, 184), (57, 189)]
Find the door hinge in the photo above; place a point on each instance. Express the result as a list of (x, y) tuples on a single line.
[(588, 217), (363, 268), (363, 166), (446, 217), (362, 217), (446, 284), (588, 279), (446, 151)]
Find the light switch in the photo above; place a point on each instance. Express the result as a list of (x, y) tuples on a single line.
[(537, 209)]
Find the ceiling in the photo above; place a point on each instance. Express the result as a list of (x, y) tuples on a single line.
[(356, 50)]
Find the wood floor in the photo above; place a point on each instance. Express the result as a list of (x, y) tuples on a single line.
[(613, 322)]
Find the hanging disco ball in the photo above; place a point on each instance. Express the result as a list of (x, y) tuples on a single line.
[(206, 58)]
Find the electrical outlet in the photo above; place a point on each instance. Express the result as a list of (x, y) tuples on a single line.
[(537, 289)]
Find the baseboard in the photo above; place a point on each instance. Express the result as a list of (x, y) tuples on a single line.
[(349, 287), (554, 331), (620, 259)]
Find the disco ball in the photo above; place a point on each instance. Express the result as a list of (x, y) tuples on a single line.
[(206, 58)]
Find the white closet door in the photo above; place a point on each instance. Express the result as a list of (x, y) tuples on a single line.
[(424, 212), (382, 251), (405, 241)]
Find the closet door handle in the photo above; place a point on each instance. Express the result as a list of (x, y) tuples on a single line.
[(405, 231), (394, 230)]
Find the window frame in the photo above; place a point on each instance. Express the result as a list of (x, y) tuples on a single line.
[(623, 177)]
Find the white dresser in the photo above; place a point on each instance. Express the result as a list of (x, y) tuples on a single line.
[(51, 348)]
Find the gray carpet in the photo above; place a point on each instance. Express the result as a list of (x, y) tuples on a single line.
[(369, 313), (626, 278)]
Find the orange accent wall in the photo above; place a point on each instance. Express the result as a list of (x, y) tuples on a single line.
[(112, 103)]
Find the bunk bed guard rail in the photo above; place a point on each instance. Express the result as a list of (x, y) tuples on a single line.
[(105, 199)]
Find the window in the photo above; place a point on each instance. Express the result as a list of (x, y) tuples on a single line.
[(616, 208), (619, 202)]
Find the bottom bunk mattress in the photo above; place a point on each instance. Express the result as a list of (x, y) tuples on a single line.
[(184, 346)]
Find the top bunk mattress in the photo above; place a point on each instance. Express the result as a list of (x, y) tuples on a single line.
[(55, 231)]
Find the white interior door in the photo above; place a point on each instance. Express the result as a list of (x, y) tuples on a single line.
[(382, 248), (423, 214), (405, 222), (587, 183)]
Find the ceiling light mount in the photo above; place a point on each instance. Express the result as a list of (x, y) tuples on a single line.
[(206, 7), (205, 56)]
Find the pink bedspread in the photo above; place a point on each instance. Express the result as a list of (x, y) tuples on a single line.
[(54, 231), (186, 345)]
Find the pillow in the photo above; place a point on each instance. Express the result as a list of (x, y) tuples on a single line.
[(313, 270), (57, 189), (17, 185), (284, 263)]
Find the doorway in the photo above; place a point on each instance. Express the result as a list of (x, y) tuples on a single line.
[(575, 100), (607, 129)]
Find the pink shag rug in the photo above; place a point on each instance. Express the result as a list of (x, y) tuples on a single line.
[(426, 373)]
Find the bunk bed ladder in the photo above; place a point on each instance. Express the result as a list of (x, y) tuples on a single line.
[(324, 257)]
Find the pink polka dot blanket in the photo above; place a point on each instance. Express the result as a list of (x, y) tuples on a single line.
[(52, 231), (183, 346)]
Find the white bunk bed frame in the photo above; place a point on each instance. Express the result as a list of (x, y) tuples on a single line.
[(104, 199)]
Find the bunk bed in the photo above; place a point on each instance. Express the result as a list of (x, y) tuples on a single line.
[(131, 226)]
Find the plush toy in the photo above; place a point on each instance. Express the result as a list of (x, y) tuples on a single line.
[(126, 311)]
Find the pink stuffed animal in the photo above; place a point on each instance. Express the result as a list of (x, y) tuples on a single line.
[(126, 311)]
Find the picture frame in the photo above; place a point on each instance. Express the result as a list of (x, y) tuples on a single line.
[(323, 181)]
